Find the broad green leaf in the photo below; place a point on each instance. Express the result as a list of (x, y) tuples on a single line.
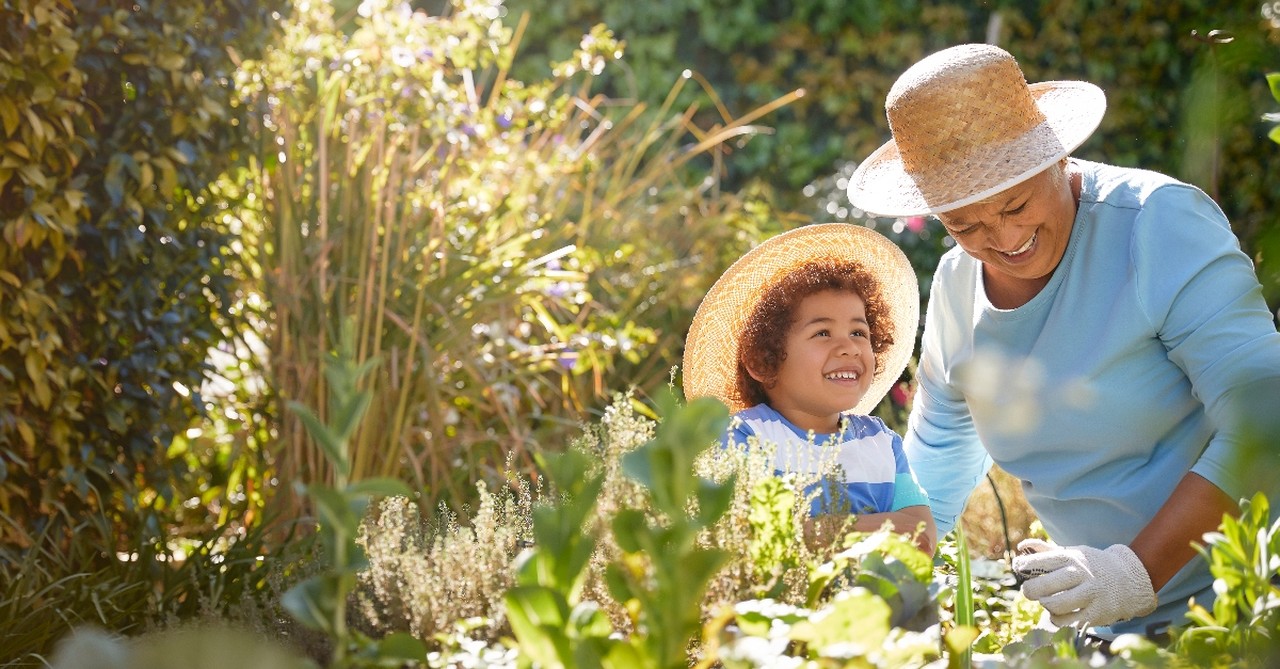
[(628, 525), (854, 617), (537, 616), (1273, 81), (959, 639)]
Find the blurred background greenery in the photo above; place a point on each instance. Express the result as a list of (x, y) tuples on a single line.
[(519, 204)]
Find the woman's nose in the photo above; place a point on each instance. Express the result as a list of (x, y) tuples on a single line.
[(1004, 237)]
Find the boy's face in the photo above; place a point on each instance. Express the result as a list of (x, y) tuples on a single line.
[(829, 362)]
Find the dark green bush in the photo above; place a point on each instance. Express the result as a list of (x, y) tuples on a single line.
[(115, 271)]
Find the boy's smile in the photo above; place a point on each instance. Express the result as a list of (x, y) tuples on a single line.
[(828, 363)]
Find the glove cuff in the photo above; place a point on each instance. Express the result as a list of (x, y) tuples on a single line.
[(1136, 578)]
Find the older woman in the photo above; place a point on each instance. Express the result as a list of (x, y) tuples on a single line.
[(1092, 334)]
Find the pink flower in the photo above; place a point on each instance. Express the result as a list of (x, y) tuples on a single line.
[(915, 223), (901, 394)]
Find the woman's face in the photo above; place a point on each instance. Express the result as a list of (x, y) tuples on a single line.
[(1020, 233)]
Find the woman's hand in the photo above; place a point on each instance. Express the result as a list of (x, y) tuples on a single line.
[(1082, 584)]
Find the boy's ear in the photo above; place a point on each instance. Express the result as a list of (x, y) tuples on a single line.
[(755, 374)]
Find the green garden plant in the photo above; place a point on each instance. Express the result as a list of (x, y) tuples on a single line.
[(874, 604), (1243, 626), (662, 573), (320, 602)]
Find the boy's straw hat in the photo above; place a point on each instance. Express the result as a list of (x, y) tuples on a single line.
[(711, 349), (966, 125)]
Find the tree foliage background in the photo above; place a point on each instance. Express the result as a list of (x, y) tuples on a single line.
[(1182, 99)]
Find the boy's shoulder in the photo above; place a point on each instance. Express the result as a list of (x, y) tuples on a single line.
[(865, 425), (753, 418)]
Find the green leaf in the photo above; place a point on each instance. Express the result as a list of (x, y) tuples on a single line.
[(313, 602), (334, 448), (402, 647), (628, 525), (714, 500), (588, 620), (537, 616), (335, 510), (854, 617), (1273, 81), (1274, 135)]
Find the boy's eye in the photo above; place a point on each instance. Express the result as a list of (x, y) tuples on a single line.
[(822, 333)]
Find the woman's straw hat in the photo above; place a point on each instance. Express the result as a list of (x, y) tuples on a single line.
[(711, 349), (966, 125)]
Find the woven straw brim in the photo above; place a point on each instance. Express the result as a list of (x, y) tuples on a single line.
[(711, 349), (882, 186)]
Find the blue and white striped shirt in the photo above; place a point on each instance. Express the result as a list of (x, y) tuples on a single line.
[(877, 477)]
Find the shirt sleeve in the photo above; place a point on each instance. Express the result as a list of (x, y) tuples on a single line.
[(737, 434), (906, 489), (1202, 297), (941, 443)]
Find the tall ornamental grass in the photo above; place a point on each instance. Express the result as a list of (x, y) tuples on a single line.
[(512, 252)]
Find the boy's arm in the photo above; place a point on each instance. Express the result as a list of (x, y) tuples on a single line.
[(821, 531), (905, 521)]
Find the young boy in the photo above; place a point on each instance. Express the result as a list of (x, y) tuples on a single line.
[(802, 337)]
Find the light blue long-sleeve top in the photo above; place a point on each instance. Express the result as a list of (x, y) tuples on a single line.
[(1112, 383)]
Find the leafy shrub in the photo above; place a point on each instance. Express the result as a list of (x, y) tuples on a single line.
[(115, 276)]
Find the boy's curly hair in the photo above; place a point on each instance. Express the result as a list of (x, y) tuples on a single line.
[(764, 336)]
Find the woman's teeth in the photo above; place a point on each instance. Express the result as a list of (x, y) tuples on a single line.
[(1024, 249)]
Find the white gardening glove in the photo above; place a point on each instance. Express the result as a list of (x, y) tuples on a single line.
[(1082, 584)]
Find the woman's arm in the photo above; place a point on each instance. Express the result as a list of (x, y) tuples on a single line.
[(1164, 545)]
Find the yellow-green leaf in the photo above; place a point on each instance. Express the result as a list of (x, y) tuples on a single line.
[(75, 198), (37, 127), (18, 149), (9, 116), (10, 278), (171, 61), (28, 435)]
